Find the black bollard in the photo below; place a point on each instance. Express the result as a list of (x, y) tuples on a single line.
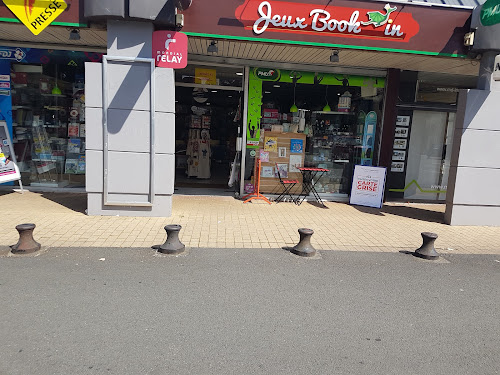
[(304, 247), (172, 245), (26, 243), (427, 250)]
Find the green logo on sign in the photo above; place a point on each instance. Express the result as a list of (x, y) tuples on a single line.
[(490, 13), (266, 74)]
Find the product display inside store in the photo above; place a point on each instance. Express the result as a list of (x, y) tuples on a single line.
[(48, 119), (305, 119)]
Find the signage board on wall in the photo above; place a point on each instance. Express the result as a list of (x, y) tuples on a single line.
[(267, 74), (284, 16), (496, 69), (369, 25), (36, 15), (368, 186), (170, 49), (205, 76), (8, 168), (490, 13)]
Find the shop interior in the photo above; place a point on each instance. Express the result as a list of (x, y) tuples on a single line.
[(209, 105)]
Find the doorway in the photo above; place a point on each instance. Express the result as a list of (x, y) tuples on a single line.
[(209, 108), (429, 155)]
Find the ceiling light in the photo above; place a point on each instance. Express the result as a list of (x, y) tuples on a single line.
[(212, 48), (239, 73), (229, 96), (74, 34), (276, 86), (214, 90), (267, 92), (334, 57)]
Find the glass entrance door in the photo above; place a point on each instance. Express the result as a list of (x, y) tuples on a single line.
[(429, 155)]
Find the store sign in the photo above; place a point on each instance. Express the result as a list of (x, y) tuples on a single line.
[(386, 23), (170, 49), (267, 74), (490, 13), (496, 69), (368, 186), (36, 15), (205, 76), (12, 54)]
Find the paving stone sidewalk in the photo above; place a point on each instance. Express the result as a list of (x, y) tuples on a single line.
[(224, 222)]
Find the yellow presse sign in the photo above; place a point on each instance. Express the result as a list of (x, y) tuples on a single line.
[(36, 14)]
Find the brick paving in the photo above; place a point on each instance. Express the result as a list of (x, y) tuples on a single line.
[(223, 222)]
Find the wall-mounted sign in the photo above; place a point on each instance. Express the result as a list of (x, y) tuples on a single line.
[(282, 16), (403, 121), (372, 25), (490, 13), (496, 69), (170, 49), (7, 53), (397, 166), (205, 76), (368, 186), (36, 15), (4, 85), (267, 74), (5, 77)]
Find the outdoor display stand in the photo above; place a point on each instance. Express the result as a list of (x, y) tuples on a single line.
[(8, 168), (368, 186), (256, 186)]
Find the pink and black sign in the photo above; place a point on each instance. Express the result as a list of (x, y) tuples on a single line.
[(170, 49)]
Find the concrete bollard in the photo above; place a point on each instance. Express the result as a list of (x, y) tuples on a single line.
[(304, 247), (172, 245), (26, 243), (427, 250)]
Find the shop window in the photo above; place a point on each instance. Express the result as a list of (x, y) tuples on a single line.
[(48, 118), (314, 120)]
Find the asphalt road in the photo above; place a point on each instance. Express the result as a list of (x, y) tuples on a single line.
[(247, 311)]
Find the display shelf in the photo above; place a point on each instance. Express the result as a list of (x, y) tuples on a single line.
[(55, 95), (333, 113)]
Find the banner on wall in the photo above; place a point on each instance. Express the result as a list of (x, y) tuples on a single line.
[(368, 186)]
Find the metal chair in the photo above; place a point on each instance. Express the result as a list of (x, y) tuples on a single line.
[(287, 186)]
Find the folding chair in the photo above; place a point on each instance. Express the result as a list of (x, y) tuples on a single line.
[(287, 186)]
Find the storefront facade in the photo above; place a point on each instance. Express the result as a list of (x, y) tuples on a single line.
[(293, 83), (331, 64)]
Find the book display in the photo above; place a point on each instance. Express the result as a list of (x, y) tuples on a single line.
[(335, 144), (49, 126)]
